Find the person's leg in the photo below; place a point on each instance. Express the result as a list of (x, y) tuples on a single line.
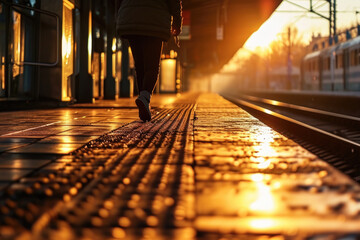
[(146, 52), (136, 45), (152, 53)]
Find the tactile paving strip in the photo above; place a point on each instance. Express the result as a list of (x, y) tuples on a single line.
[(122, 185)]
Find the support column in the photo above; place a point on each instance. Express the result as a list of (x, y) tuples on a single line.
[(109, 84), (85, 86), (125, 82)]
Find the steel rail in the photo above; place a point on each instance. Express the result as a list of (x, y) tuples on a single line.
[(301, 108), (335, 142)]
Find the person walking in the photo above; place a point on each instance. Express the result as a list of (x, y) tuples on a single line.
[(146, 24)]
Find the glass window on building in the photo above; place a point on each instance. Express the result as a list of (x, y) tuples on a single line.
[(2, 50), (99, 40), (67, 51)]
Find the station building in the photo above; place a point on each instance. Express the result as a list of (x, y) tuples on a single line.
[(67, 50)]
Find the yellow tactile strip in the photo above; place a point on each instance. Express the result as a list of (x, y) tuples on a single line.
[(136, 177)]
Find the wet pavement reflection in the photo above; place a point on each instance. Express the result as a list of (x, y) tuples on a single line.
[(61, 131), (201, 169), (251, 179)]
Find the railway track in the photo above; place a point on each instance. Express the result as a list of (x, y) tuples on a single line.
[(333, 137)]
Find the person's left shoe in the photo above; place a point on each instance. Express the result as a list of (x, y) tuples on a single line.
[(143, 104)]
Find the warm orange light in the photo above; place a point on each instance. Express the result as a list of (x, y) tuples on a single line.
[(258, 177), (262, 223), (90, 42), (268, 111), (2, 72), (113, 65), (266, 8), (113, 47), (17, 43), (264, 202), (67, 49), (168, 75), (67, 139), (66, 148), (264, 165), (276, 103), (103, 65), (173, 54), (263, 135)]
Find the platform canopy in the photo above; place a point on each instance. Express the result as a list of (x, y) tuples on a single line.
[(218, 28)]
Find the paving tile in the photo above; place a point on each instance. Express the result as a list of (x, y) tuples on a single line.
[(83, 133), (28, 156), (3, 185), (9, 146), (24, 136), (23, 163), (7, 175), (46, 148), (67, 139), (17, 140)]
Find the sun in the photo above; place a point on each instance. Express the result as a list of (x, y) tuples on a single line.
[(265, 35)]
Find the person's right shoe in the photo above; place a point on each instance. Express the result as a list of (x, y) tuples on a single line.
[(143, 104)]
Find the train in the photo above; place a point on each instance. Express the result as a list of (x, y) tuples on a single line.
[(336, 68)]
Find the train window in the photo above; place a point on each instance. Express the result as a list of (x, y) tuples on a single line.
[(313, 65), (355, 58), (339, 61), (328, 63), (336, 61)]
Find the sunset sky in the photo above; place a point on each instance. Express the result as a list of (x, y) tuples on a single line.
[(307, 23)]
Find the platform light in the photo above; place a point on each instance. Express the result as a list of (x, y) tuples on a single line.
[(168, 71), (113, 48), (18, 57), (3, 72), (67, 49), (173, 54), (90, 43)]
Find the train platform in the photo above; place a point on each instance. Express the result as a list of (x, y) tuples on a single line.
[(203, 168)]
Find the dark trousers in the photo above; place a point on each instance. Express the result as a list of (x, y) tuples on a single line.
[(146, 52)]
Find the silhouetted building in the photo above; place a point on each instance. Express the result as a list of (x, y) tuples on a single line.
[(67, 50)]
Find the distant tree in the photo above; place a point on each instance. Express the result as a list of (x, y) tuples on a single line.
[(279, 49), (254, 70)]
